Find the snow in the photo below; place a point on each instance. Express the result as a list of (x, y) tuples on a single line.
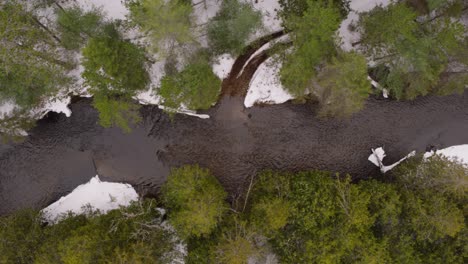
[(114, 9), (459, 152), (6, 108), (265, 86), (270, 18), (357, 6), (58, 105), (222, 66), (183, 110), (103, 196), (378, 155)]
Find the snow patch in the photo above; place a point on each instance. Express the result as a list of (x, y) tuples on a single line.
[(270, 19), (6, 108), (265, 86), (459, 152), (113, 9), (58, 105), (223, 65), (378, 155), (103, 196)]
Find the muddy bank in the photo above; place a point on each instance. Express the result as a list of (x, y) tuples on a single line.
[(235, 143)]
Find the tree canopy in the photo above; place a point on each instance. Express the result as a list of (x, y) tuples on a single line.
[(76, 26), (167, 23), (133, 234), (313, 35), (413, 52), (342, 86), (196, 87), (30, 69), (115, 69), (230, 29), (195, 200)]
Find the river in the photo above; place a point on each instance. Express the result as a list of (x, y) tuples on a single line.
[(235, 143)]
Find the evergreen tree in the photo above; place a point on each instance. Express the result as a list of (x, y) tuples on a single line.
[(196, 86), (415, 51), (30, 69), (168, 24), (195, 200), (314, 42), (115, 69), (77, 26), (342, 86), (230, 29)]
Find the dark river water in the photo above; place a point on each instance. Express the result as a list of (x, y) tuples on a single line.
[(235, 143)]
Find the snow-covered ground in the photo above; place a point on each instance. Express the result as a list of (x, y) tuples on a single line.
[(270, 19), (6, 108), (223, 65), (459, 152), (103, 196), (113, 9), (265, 86)]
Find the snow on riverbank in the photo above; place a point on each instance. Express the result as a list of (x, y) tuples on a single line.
[(103, 196), (106, 196), (223, 65), (459, 152), (378, 155), (265, 86)]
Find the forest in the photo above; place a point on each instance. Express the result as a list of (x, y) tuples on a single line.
[(415, 215)]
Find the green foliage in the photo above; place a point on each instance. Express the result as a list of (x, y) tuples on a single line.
[(270, 215), (336, 221), (196, 86), (20, 237), (416, 53), (113, 65), (13, 125), (436, 174), (163, 21), (75, 26), (115, 70), (29, 67), (236, 245), (342, 86), (229, 30), (432, 216), (294, 8), (313, 35), (195, 200), (127, 235)]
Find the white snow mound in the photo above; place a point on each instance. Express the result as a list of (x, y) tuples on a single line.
[(459, 152), (103, 196)]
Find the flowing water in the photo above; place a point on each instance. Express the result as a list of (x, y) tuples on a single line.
[(235, 143)]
